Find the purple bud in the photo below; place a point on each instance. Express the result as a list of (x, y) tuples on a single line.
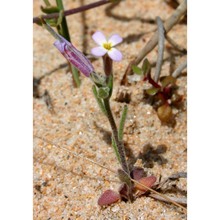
[(74, 56)]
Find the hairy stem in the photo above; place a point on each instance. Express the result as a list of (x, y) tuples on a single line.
[(99, 101), (118, 143)]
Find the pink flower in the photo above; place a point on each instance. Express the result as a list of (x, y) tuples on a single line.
[(74, 56), (107, 46)]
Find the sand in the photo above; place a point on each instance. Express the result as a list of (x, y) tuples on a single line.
[(66, 187)]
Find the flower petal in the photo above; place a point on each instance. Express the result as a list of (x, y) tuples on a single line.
[(115, 39), (99, 38), (74, 56), (115, 54), (59, 45), (98, 51)]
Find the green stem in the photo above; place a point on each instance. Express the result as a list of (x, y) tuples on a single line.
[(119, 148), (65, 33), (99, 101), (116, 150), (118, 143), (47, 3), (75, 74)]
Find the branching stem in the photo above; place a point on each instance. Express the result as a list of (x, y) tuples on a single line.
[(72, 11)]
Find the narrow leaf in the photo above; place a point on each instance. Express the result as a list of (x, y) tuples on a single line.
[(116, 150), (75, 74), (122, 123), (146, 67), (137, 70), (110, 85), (99, 101), (152, 91), (49, 9), (47, 3), (103, 92)]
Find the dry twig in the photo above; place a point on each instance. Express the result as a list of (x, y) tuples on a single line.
[(179, 69), (161, 39), (169, 23), (175, 45), (73, 11), (182, 201)]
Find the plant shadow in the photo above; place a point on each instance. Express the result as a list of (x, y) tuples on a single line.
[(106, 135), (109, 13), (150, 155)]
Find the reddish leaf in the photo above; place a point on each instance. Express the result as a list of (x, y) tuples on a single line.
[(108, 197), (146, 181), (137, 173), (124, 191)]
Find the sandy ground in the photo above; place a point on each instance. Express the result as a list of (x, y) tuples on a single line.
[(66, 187)]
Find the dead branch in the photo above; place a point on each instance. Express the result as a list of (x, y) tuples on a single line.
[(182, 201), (169, 23), (179, 69), (161, 39), (72, 11)]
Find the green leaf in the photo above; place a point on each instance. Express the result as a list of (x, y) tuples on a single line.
[(168, 80), (122, 123), (152, 91), (103, 92), (99, 101), (116, 150), (52, 22), (146, 67), (49, 9), (137, 70), (99, 80), (60, 18), (75, 74), (47, 3), (110, 84)]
